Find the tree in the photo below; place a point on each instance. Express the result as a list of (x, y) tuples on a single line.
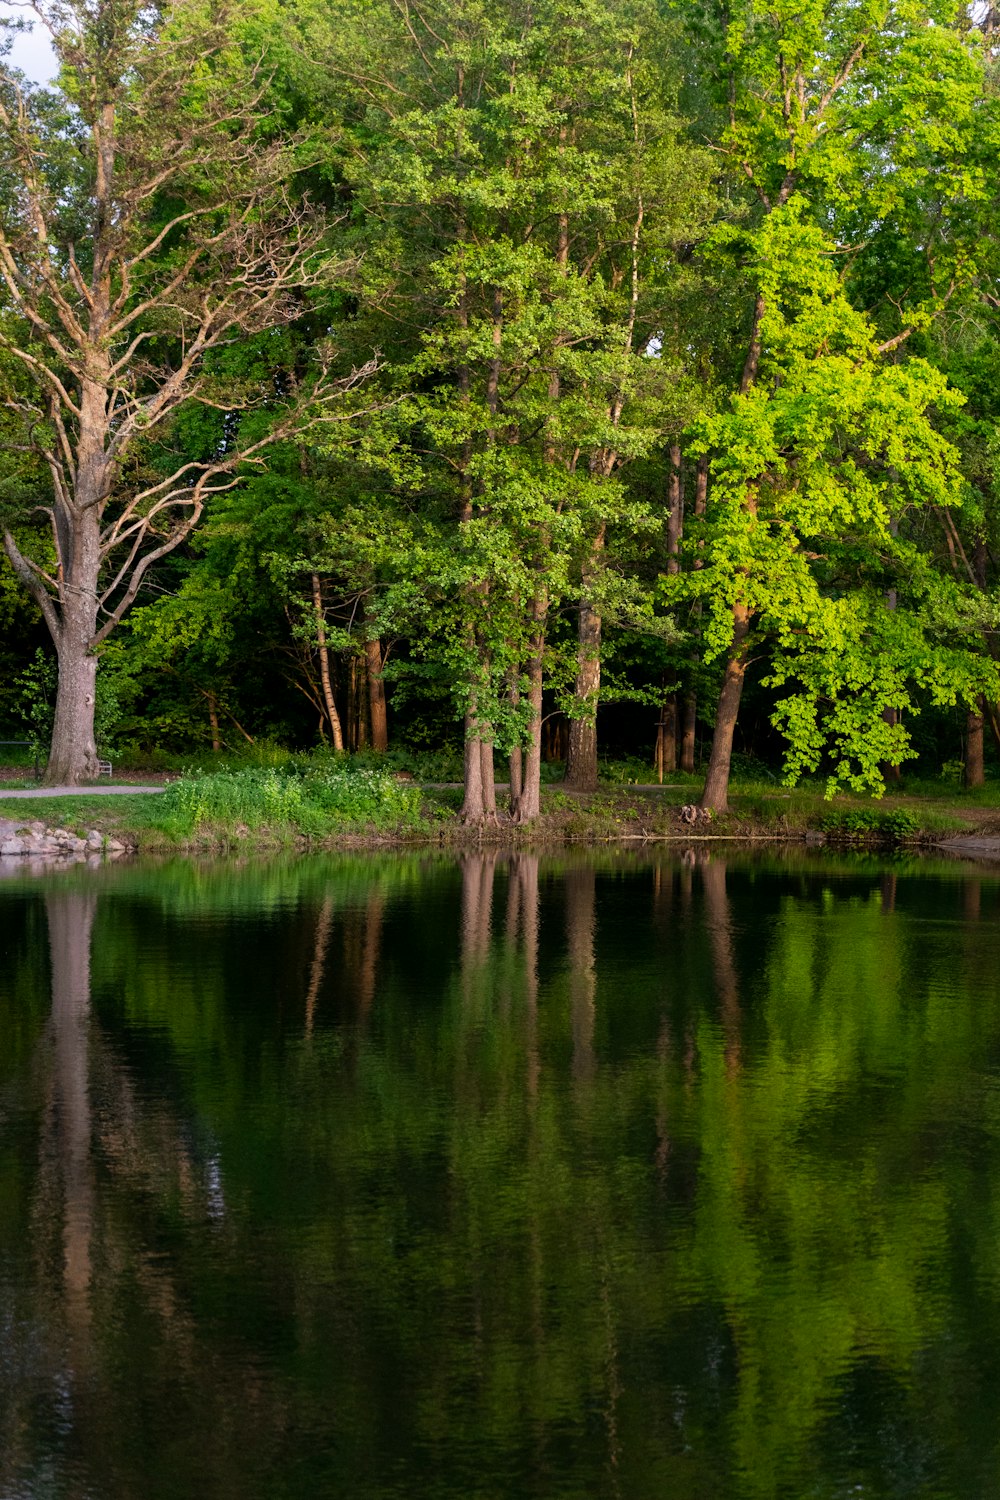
[(148, 222), (518, 171), (828, 436)]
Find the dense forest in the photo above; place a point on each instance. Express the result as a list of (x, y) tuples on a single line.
[(539, 379)]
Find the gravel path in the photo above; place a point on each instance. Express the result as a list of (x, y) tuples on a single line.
[(79, 791)]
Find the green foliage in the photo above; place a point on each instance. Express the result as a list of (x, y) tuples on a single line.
[(584, 241), (871, 824), (317, 801), (31, 697)]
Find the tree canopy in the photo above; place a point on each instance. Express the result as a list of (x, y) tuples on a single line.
[(544, 371)]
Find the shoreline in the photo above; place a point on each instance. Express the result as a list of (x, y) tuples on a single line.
[(89, 820)]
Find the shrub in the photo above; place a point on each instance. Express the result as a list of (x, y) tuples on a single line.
[(313, 801), (361, 796), (887, 826)]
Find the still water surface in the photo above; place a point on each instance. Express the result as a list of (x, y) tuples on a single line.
[(498, 1177)]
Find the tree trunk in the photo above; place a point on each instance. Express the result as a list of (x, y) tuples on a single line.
[(974, 771), (213, 720), (332, 715), (581, 753), (716, 793), (689, 730), (675, 513), (667, 733), (73, 755), (480, 802), (374, 664), (666, 738), (890, 770), (515, 760), (993, 719), (529, 803), (357, 706), (515, 774)]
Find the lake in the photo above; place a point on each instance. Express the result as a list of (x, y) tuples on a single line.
[(579, 1175)]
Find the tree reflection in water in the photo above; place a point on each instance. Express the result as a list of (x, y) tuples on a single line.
[(70, 917), (500, 1176)]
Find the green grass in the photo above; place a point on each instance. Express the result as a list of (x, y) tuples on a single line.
[(109, 814), (326, 798), (316, 801)]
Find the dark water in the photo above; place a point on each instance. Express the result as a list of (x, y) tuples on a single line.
[(372, 1177)]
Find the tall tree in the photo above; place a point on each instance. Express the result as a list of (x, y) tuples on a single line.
[(827, 435), (518, 170), (148, 219)]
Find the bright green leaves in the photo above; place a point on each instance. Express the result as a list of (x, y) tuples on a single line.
[(858, 664), (812, 467)]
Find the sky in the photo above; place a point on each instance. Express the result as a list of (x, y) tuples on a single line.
[(31, 51)]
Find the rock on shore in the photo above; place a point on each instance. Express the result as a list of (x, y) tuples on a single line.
[(20, 840)]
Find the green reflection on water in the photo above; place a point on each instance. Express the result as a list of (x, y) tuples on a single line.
[(500, 1176)]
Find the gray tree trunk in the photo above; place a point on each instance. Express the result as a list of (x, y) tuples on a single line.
[(479, 805), (73, 753), (715, 796), (529, 803), (581, 754), (975, 774)]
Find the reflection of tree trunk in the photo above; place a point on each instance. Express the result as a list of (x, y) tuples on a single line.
[(374, 914), (71, 920), (522, 916), (663, 897), (362, 950), (580, 902), (720, 934), (972, 898), (888, 893), (477, 907), (685, 881), (320, 946), (661, 1156)]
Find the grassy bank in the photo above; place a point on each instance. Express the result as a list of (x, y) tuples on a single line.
[(334, 803)]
